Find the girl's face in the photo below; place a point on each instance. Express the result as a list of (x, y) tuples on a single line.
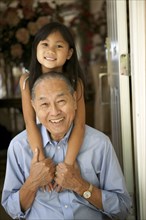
[(53, 52)]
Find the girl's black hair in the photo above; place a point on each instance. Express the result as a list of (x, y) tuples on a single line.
[(71, 66)]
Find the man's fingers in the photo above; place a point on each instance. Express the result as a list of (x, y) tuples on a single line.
[(58, 188), (50, 187), (76, 165)]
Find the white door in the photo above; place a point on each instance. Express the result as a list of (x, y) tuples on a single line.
[(137, 17), (119, 79)]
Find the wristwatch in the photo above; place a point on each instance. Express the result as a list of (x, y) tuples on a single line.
[(87, 194)]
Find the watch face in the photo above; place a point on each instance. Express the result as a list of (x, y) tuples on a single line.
[(87, 194)]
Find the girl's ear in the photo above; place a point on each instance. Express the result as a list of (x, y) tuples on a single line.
[(70, 53)]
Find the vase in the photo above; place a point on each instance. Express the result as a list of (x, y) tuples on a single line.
[(9, 80), (2, 80)]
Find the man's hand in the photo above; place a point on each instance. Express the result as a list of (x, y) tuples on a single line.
[(41, 172), (68, 177)]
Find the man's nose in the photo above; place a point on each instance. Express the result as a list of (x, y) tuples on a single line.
[(54, 109)]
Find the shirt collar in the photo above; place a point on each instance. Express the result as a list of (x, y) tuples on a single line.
[(47, 139)]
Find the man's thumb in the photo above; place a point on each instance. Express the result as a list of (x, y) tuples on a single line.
[(35, 156)]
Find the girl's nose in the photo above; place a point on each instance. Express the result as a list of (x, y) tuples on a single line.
[(51, 49)]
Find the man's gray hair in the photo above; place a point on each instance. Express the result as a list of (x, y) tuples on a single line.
[(52, 75)]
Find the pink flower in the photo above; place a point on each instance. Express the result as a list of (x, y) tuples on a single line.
[(28, 13), (16, 51), (22, 35), (32, 27), (45, 7), (11, 17), (41, 21), (26, 3)]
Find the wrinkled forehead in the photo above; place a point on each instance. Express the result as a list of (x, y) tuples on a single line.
[(51, 88)]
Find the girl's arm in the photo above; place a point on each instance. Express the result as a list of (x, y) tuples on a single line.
[(76, 138), (34, 135)]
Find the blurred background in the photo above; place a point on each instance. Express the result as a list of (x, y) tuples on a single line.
[(112, 55)]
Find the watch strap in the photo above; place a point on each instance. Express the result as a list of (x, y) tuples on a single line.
[(90, 188)]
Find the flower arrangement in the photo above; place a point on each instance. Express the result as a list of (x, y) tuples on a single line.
[(21, 19)]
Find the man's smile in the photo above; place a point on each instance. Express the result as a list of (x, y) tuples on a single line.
[(56, 121)]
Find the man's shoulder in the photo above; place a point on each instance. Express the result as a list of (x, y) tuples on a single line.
[(96, 142), (91, 132), (94, 138), (19, 137)]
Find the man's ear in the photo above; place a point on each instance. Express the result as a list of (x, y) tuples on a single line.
[(32, 103), (70, 53)]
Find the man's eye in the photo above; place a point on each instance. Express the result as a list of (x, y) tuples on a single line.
[(61, 101), (44, 105)]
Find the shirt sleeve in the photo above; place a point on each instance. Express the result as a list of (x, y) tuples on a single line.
[(115, 198), (10, 194)]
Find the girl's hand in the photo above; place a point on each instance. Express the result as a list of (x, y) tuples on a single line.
[(41, 173), (49, 186), (68, 176), (57, 187)]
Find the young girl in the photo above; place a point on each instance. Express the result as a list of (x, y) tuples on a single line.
[(54, 49)]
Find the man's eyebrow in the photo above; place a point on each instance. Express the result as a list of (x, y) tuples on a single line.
[(41, 98), (61, 94)]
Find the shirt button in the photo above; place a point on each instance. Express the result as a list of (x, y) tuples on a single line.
[(58, 147), (66, 206)]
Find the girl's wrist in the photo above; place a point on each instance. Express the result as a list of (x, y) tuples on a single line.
[(69, 162), (41, 154), (41, 157)]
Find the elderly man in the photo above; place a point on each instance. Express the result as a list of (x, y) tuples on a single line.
[(94, 189)]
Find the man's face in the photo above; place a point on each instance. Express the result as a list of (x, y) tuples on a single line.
[(55, 106)]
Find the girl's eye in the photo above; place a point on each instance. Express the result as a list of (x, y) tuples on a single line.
[(45, 44), (59, 46)]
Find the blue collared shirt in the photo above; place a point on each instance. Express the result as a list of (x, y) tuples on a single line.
[(98, 164)]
